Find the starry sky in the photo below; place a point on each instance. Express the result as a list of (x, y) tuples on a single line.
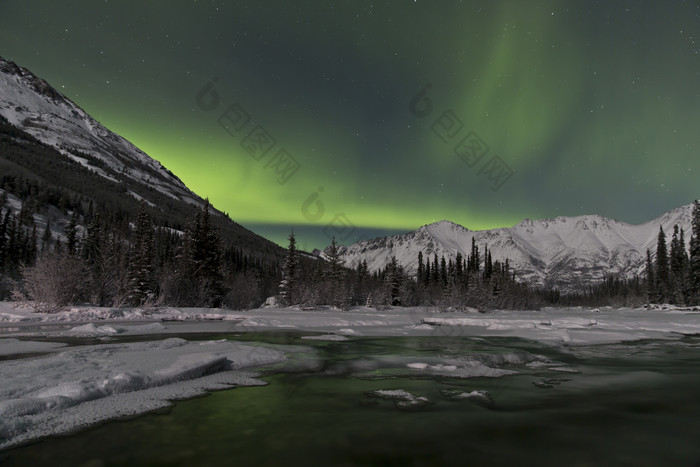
[(364, 118)]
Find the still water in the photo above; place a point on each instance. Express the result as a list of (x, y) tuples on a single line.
[(635, 404)]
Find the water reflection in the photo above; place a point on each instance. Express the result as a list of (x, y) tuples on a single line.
[(350, 403)]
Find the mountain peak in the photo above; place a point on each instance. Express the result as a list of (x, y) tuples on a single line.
[(443, 224), (31, 104), (564, 252), (39, 85)]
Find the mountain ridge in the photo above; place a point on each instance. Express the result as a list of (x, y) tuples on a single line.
[(569, 253), (50, 139), (33, 105)]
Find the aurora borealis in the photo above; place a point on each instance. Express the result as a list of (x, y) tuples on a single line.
[(595, 106)]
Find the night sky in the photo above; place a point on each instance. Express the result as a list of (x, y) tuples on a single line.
[(307, 114)]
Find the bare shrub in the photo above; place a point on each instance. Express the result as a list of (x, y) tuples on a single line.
[(55, 281)]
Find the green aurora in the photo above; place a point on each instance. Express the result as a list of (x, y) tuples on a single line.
[(592, 105)]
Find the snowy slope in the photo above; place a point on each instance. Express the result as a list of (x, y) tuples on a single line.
[(31, 104), (566, 252)]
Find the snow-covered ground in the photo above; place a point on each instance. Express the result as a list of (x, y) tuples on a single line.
[(556, 326), (49, 387), (86, 384)]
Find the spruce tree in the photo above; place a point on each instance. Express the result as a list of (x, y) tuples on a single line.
[(393, 280), (650, 279), (685, 266), (678, 268), (212, 258), (427, 273), (46, 237), (662, 273), (459, 271), (334, 274), (443, 271), (3, 239), (200, 263), (421, 268), (288, 286), (475, 262), (140, 270), (72, 234), (435, 279), (694, 260)]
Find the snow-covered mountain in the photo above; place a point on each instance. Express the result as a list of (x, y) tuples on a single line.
[(31, 104), (47, 138), (564, 252)]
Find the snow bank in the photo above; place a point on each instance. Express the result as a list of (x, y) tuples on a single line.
[(51, 394), (557, 326), (91, 329), (13, 313), (402, 399), (478, 396), (572, 326), (462, 367), (327, 337), (17, 347)]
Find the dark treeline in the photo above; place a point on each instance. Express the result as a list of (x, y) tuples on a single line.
[(671, 275), (456, 284), (133, 263), (612, 291), (127, 261)]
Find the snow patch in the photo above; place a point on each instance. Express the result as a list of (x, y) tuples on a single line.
[(37, 394)]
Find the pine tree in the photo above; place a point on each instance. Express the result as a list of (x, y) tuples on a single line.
[(459, 271), (443, 271), (116, 265), (3, 239), (427, 273), (678, 268), (46, 237), (288, 286), (140, 272), (436, 270), (474, 257), (694, 260), (393, 280), (93, 254), (364, 272), (72, 234), (199, 274), (421, 268), (662, 272), (30, 251), (685, 266), (650, 279), (334, 275), (211, 281)]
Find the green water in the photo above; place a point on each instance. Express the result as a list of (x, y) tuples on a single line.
[(629, 404)]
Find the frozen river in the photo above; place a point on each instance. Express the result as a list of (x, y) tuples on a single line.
[(365, 387)]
